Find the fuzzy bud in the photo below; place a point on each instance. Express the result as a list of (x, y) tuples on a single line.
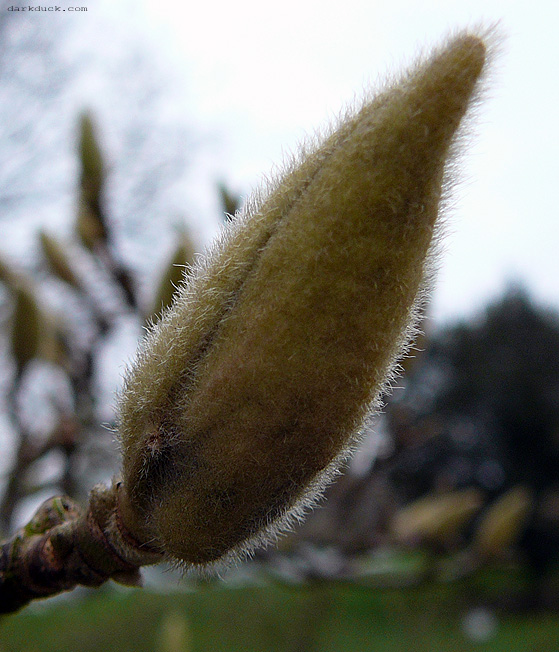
[(248, 393), (92, 172), (27, 327), (90, 224), (58, 260), (182, 258), (503, 522), (436, 519)]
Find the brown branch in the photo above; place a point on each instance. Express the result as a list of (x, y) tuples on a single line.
[(64, 546)]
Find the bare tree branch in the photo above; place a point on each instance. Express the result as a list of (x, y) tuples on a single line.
[(64, 546)]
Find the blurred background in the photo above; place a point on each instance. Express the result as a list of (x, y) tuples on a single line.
[(131, 132)]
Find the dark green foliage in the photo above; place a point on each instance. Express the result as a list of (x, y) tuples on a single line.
[(483, 408), (504, 370), (318, 618), (498, 377)]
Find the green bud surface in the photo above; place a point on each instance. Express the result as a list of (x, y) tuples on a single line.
[(247, 395)]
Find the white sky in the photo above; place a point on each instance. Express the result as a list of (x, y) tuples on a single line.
[(261, 75)]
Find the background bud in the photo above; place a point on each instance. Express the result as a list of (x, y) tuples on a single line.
[(436, 518), (90, 224), (57, 259), (181, 260), (503, 522), (27, 327)]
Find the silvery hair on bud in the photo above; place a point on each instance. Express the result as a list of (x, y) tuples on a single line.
[(248, 393)]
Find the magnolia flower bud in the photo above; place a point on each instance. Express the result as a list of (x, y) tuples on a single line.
[(182, 257), (58, 260), (92, 168), (27, 328), (246, 396), (90, 223), (436, 518), (503, 522)]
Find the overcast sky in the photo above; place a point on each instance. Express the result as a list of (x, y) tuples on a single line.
[(261, 75)]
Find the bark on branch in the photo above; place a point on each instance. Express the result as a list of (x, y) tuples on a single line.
[(64, 546)]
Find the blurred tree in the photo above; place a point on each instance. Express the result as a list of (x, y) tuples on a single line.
[(48, 71), (34, 82), (67, 302), (504, 372), (50, 347), (482, 410), (487, 390)]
